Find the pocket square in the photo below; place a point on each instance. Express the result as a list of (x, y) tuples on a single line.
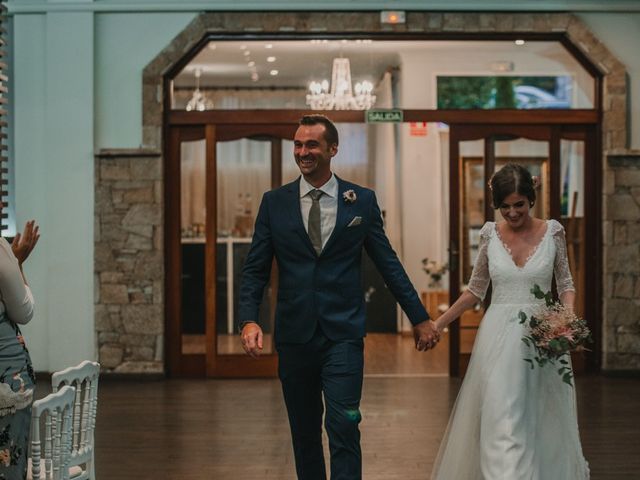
[(355, 221)]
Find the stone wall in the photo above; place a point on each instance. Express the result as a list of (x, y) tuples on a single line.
[(128, 262), (621, 325)]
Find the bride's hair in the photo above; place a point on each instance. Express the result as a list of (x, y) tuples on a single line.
[(512, 178)]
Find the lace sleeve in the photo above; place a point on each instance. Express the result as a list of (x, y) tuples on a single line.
[(480, 278), (564, 281)]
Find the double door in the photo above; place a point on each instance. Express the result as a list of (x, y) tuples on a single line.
[(215, 175), (564, 158)]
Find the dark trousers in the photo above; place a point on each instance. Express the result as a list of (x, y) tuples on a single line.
[(307, 372)]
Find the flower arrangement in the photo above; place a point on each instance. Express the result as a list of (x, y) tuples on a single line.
[(349, 196), (435, 270), (554, 331)]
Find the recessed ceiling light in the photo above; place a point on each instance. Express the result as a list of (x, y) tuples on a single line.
[(243, 47), (520, 42), (251, 63), (247, 53), (212, 46), (344, 40), (255, 77), (268, 45), (271, 59), (273, 73)]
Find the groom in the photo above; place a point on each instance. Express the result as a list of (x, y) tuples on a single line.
[(316, 228)]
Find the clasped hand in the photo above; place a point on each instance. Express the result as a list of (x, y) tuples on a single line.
[(426, 335)]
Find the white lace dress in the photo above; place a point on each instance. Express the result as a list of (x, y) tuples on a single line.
[(511, 422)]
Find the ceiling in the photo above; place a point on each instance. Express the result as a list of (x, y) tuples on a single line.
[(245, 64)]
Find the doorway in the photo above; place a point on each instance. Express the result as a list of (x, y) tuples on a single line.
[(564, 158)]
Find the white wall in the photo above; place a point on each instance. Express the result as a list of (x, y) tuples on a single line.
[(66, 64), (125, 44)]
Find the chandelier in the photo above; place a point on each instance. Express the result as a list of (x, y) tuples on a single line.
[(341, 96), (198, 101)]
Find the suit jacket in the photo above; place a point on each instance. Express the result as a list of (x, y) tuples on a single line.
[(323, 289)]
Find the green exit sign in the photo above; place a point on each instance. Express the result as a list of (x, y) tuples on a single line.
[(384, 116)]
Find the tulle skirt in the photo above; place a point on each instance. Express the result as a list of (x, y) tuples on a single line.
[(510, 421)]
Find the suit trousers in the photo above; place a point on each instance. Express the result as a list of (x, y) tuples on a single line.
[(308, 372)]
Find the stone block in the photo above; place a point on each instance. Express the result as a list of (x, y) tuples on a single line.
[(143, 319), (138, 354), (435, 21), (142, 230), (138, 242), (108, 337), (148, 266), (138, 298), (114, 294), (622, 207), (609, 182), (635, 194), (133, 340), (619, 233), (114, 169), (159, 348), (158, 192), (621, 312), (110, 356), (623, 286), (138, 195), (628, 343), (102, 257), (146, 168), (487, 22), (636, 291), (623, 259), (143, 214), (453, 22), (102, 319)]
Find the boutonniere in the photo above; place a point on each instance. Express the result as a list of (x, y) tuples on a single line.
[(349, 196)]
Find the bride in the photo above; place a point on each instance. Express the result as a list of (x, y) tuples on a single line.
[(510, 421)]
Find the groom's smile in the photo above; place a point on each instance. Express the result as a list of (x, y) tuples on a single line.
[(313, 154)]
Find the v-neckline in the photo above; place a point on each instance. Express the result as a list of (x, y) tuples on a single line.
[(531, 254)]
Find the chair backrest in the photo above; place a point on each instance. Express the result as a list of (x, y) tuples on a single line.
[(84, 377), (55, 433)]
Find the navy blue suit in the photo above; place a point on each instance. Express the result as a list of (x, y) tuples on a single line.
[(320, 317)]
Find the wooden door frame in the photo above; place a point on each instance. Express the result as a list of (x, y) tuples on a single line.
[(210, 364), (233, 124), (552, 133)]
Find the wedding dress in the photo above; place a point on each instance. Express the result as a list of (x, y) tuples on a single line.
[(512, 422)]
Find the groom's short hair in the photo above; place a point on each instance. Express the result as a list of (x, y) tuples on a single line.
[(330, 130)]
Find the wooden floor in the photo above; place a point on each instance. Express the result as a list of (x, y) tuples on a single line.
[(237, 429)]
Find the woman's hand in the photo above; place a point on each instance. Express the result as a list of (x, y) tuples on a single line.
[(24, 243)]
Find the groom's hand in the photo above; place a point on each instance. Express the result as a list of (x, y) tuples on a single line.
[(426, 335), (252, 339)]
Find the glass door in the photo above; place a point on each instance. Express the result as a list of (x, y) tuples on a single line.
[(557, 157), (216, 175)]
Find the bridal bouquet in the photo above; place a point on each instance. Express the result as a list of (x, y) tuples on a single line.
[(554, 331)]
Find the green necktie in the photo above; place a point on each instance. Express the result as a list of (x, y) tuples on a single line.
[(315, 231)]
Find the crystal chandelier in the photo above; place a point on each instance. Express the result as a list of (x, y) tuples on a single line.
[(341, 96), (198, 101)]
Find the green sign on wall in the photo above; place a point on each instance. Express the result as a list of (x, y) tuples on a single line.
[(384, 116)]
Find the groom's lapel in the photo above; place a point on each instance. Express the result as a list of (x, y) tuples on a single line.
[(295, 214), (342, 216)]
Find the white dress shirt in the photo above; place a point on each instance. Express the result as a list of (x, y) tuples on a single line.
[(328, 206)]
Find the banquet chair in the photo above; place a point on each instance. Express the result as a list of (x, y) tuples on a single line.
[(84, 377), (52, 436)]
